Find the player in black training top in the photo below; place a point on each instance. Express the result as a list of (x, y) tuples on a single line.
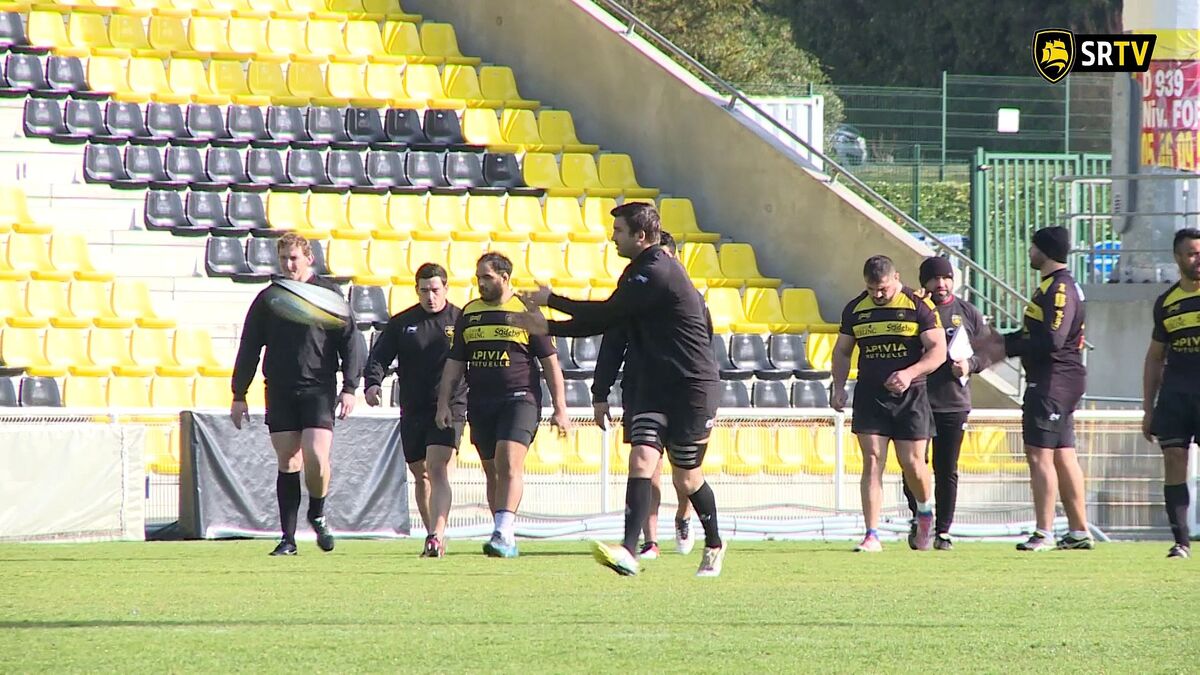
[(949, 396), (1050, 346), (418, 340), (677, 405), (300, 369), (504, 400), (900, 341), (1172, 377), (614, 349)]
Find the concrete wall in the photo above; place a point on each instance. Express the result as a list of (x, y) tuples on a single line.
[(1118, 325)]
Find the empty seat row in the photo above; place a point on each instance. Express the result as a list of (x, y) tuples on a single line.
[(174, 34), (369, 10), (776, 394), (43, 76), (240, 126), (97, 352), (169, 393), (300, 170), (78, 304), (779, 356), (60, 257)]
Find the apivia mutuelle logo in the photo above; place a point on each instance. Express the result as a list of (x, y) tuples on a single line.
[(1058, 52)]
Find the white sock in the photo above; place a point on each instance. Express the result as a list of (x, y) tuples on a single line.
[(1080, 534), (505, 525), (924, 508)]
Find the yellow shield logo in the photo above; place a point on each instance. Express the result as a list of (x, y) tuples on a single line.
[(1054, 53)]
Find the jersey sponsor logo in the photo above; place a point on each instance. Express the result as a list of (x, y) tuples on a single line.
[(639, 278), (475, 318), (1182, 321), (885, 329), (449, 331), (1174, 309), (410, 329), (889, 350), (1186, 345), (955, 320), (490, 358), (496, 333)]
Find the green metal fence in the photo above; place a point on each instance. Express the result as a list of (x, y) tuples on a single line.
[(1014, 194)]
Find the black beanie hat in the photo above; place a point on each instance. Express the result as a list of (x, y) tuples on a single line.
[(936, 266), (1055, 242)]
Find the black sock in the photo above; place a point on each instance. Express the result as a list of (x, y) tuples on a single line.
[(316, 507), (705, 503), (637, 507), (287, 490), (1178, 499)]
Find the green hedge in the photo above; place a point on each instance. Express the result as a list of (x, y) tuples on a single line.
[(945, 205)]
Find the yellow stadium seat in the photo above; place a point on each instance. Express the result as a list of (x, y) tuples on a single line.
[(267, 79), (524, 220), (564, 219), (387, 258), (91, 300), (616, 171), (762, 307), (438, 39), (462, 82), (192, 347), (400, 40), (447, 217), (363, 42), (228, 79), (275, 8), (514, 251), (128, 392), (818, 348), (468, 455), (305, 80), (520, 128), (169, 34), (186, 77), (212, 393), (67, 348), (345, 81), (557, 127), (480, 126), (498, 82), (725, 306), (586, 261), (679, 219), (131, 300), (310, 7), (325, 213), (541, 170), (548, 453), (386, 82), (248, 35), (407, 214), (8, 274), (800, 306), (323, 37), (614, 264), (738, 261), (546, 261), (750, 450), (368, 212), (14, 213), (378, 11), (720, 447), (148, 78), (347, 259), (461, 259), (12, 302), (108, 74), (87, 32), (460, 294), (285, 211), (618, 459), (48, 300), (84, 392), (110, 348), (23, 348), (485, 214), (69, 253), (786, 457), (129, 33), (151, 348), (597, 215), (423, 83), (162, 449), (421, 252), (45, 29), (586, 451), (702, 263), (579, 172), (210, 35), (820, 451), (401, 297), (286, 37)]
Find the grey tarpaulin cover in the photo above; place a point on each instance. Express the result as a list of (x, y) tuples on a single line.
[(227, 479)]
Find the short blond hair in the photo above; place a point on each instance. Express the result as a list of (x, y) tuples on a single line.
[(292, 240)]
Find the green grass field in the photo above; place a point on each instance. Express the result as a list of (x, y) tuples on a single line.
[(374, 606)]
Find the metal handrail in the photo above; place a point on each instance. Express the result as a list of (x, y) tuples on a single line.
[(735, 95)]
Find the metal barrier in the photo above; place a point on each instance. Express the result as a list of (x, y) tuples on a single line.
[(779, 473)]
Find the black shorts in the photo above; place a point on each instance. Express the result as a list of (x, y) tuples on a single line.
[(690, 410), (903, 417), (1047, 422), (1176, 421), (513, 420), (419, 431), (299, 409)]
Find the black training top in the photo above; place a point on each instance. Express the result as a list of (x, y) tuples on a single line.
[(946, 392), (614, 350), (418, 342), (501, 358), (298, 356), (666, 318), (888, 336), (1177, 325), (1051, 343)]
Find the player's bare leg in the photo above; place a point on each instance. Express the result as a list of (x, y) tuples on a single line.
[(316, 443), (438, 462), (421, 488), (874, 453), (510, 486), (1073, 491), (911, 455), (1043, 482)]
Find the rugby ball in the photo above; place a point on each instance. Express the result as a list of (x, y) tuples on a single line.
[(307, 304)]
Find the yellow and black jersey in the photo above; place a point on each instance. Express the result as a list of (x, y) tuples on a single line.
[(501, 357), (889, 335), (1177, 325), (1051, 342)]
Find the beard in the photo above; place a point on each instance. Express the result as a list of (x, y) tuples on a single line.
[(489, 293)]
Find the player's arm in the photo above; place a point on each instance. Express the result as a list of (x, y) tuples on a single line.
[(1049, 334), (980, 361), (934, 342), (543, 348), (452, 372), (629, 299), (1152, 369), (380, 358), (352, 349), (254, 338), (843, 351), (608, 362)]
